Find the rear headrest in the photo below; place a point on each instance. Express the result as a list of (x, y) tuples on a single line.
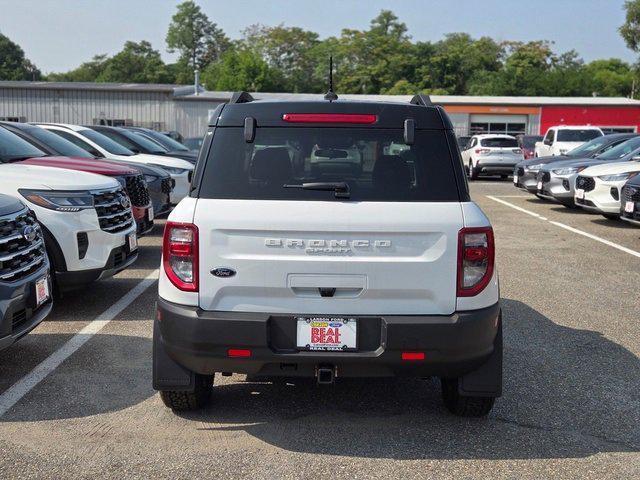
[(271, 165), (391, 171)]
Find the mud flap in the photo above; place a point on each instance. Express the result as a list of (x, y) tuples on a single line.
[(487, 380), (167, 374)]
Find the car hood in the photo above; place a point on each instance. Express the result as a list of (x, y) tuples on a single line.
[(542, 160), (18, 175), (82, 164), (573, 162), (141, 167), (9, 205), (161, 160), (611, 169)]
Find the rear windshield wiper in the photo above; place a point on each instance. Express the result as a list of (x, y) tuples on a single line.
[(341, 189)]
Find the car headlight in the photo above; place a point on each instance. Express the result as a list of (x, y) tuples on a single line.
[(59, 201), (172, 170), (617, 177), (565, 171), (534, 168), (150, 178)]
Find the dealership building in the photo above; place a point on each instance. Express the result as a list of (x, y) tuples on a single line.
[(183, 109)]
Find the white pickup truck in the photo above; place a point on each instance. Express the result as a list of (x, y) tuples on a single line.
[(561, 139)]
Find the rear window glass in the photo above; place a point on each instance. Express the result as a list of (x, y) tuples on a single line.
[(499, 142), (577, 135), (375, 164)]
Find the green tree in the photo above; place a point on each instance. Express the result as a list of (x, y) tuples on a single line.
[(630, 31), (240, 69), (198, 40), (13, 64), (136, 63), (86, 72)]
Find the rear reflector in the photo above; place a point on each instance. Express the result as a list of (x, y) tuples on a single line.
[(412, 355), (330, 118), (238, 353)]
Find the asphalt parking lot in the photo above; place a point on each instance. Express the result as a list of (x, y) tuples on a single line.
[(76, 397)]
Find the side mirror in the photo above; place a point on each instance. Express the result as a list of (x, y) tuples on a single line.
[(547, 141), (96, 153)]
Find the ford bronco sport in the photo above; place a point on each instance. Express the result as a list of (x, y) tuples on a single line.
[(366, 259)]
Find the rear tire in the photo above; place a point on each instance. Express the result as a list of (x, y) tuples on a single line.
[(179, 401), (462, 405), (473, 173), (611, 216)]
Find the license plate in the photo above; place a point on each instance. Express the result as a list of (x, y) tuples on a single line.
[(515, 179), (539, 186), (628, 207), (579, 193), (327, 333), (150, 214), (42, 290), (133, 242)]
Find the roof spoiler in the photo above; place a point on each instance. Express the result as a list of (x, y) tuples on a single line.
[(241, 97), (422, 99)]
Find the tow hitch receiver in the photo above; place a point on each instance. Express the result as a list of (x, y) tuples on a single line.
[(325, 374)]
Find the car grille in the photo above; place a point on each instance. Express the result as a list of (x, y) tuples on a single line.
[(137, 190), (630, 194), (20, 256), (167, 185), (114, 210), (585, 183)]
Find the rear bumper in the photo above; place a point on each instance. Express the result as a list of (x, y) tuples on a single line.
[(504, 168), (18, 311), (198, 341)]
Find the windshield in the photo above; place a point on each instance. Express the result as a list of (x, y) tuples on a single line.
[(376, 165), (499, 142), (13, 147), (167, 142), (149, 146), (529, 141), (575, 135), (621, 150), (586, 148), (106, 143), (57, 143)]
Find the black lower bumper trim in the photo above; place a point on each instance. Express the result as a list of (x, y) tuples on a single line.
[(198, 341), (119, 259)]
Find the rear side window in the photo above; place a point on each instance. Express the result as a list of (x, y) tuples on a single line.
[(578, 135), (499, 142), (375, 163)]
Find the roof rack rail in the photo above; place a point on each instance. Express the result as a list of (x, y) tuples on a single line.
[(241, 97), (422, 99)]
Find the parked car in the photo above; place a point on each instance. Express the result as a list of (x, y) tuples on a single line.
[(86, 219), (561, 139), (463, 141), (490, 154), (528, 144), (25, 284), (130, 178), (100, 145), (555, 180), (159, 182), (630, 201), (268, 270), (173, 147)]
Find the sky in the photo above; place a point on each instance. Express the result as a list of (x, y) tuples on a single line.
[(58, 35)]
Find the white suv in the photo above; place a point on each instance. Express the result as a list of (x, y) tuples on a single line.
[(598, 187), (562, 139), (102, 146), (275, 268), (491, 155)]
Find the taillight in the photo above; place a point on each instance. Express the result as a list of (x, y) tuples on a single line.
[(364, 118), (476, 252), (482, 151), (180, 255)]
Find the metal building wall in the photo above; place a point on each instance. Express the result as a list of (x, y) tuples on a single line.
[(83, 106), (192, 117)]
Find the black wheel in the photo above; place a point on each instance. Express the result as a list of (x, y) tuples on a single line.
[(473, 173), (611, 216), (462, 405), (185, 401)]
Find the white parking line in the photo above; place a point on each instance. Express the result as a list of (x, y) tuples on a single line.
[(567, 227), (19, 389)]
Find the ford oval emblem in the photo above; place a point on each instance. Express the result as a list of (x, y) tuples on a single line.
[(223, 272)]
